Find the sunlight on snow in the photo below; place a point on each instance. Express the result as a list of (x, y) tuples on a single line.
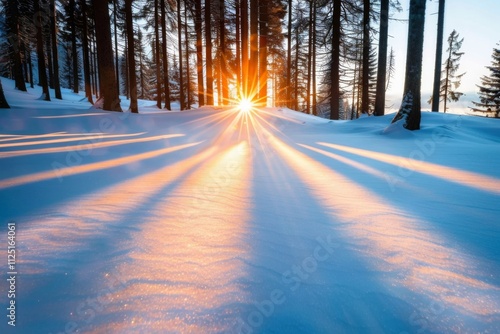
[(186, 258), (392, 240)]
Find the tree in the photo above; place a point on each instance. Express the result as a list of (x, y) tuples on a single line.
[(409, 112), (335, 62), (157, 55), (14, 38), (489, 90), (439, 53), (199, 52), (131, 56), (42, 71), (208, 53), (164, 55), (382, 59), (107, 75), (451, 80), (365, 81), (86, 53), (55, 55), (3, 101)]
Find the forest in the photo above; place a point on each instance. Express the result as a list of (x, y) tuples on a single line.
[(326, 58)]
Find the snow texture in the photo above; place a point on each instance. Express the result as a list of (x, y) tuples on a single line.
[(216, 221)]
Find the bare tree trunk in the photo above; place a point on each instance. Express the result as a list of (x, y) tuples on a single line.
[(188, 72), (15, 43), (439, 54), (263, 74), (42, 71), (289, 58), (382, 58), (223, 66), (208, 57), (199, 50), (254, 48), (410, 111), (86, 56), (131, 63), (55, 55), (107, 76), (3, 101), (335, 65), (179, 36), (365, 97), (166, 80), (117, 69), (244, 47), (157, 57), (74, 53)]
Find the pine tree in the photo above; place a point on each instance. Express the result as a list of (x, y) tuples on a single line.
[(439, 52), (489, 90), (451, 80)]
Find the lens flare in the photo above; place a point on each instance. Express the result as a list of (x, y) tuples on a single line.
[(245, 105)]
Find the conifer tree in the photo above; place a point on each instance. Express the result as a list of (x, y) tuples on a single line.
[(450, 79), (489, 90)]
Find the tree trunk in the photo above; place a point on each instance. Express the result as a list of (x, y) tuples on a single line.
[(254, 49), (410, 111), (289, 58), (335, 65), (15, 43), (309, 59), (86, 56), (107, 76), (74, 53), (115, 23), (263, 74), (131, 63), (244, 47), (208, 57), (3, 101), (55, 54), (157, 57), (222, 61), (437, 64), (365, 97), (42, 71), (188, 72), (179, 39), (164, 55), (199, 51), (382, 58)]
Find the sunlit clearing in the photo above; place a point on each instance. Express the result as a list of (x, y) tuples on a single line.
[(245, 105)]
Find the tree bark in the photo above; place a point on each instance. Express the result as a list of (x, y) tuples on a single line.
[(382, 58), (157, 56), (179, 39), (439, 54), (365, 81), (409, 111), (263, 31), (107, 76), (166, 80), (3, 101), (289, 58), (208, 57), (12, 20), (254, 49), (74, 53), (244, 47), (86, 55), (55, 54), (335, 65), (199, 51), (131, 63), (42, 71)]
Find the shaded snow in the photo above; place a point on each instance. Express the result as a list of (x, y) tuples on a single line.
[(213, 221)]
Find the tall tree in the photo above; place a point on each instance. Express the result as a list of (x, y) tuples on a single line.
[(365, 81), (489, 90), (451, 80), (254, 48), (439, 53), (208, 52), (263, 45), (86, 52), (14, 37), (166, 86), (199, 51), (335, 61), (180, 47), (409, 112), (129, 21), (115, 24), (289, 57), (74, 51), (107, 76), (244, 47), (55, 53), (42, 71), (3, 101), (157, 55), (382, 58)]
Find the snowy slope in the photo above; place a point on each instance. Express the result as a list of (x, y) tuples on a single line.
[(214, 221)]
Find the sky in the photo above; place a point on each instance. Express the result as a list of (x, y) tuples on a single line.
[(475, 21)]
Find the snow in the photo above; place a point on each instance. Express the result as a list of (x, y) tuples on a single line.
[(215, 221)]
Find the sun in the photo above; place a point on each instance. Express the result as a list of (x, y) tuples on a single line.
[(245, 105)]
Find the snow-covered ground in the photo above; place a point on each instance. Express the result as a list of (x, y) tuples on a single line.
[(216, 221)]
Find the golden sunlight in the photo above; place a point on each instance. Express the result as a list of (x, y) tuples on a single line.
[(245, 105)]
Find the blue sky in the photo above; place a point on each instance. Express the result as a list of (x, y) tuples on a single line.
[(475, 21)]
